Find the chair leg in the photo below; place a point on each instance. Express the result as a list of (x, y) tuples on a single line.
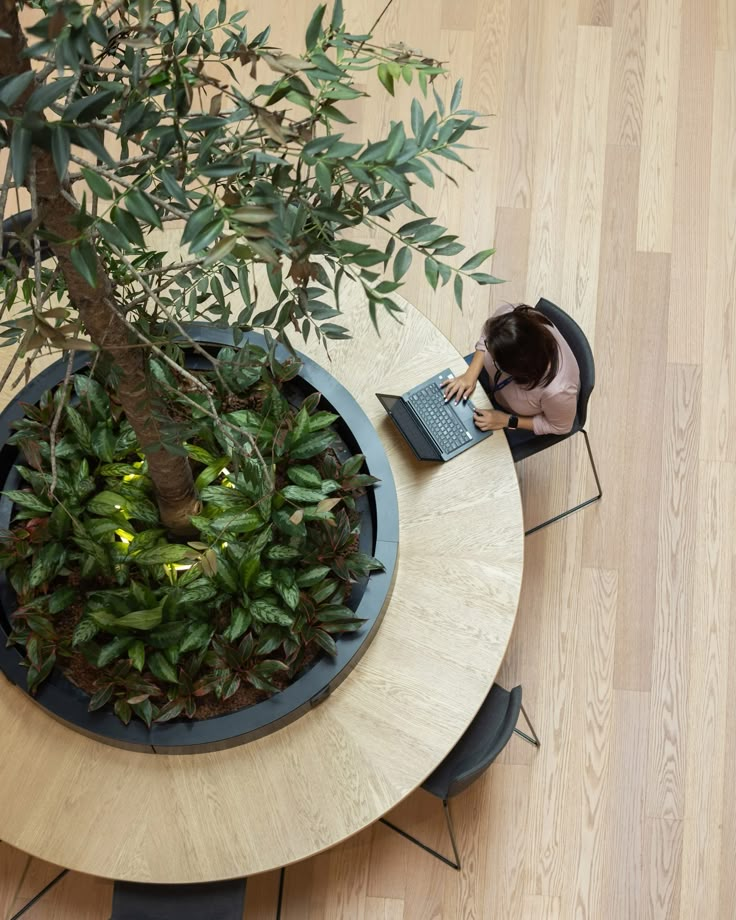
[(534, 739), (281, 893), (589, 501), (40, 894), (448, 862)]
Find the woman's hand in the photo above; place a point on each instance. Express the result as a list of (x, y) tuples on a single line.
[(459, 387), (490, 419)]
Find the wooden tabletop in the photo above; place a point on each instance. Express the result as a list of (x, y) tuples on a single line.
[(98, 809)]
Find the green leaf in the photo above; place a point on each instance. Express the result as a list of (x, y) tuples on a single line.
[(61, 599), (417, 117), (165, 554), (106, 503), (337, 15), (97, 184), (312, 445), (476, 260), (312, 575), (111, 235), (402, 262), (128, 226), (483, 278), (458, 290), (80, 428), (265, 612), (283, 553), (140, 206), (100, 698), (384, 75), (141, 619), (197, 221), (431, 272), (314, 27), (14, 88), (47, 93), (137, 654), (324, 177), (93, 396), (456, 96), (123, 711), (28, 501), (198, 636), (208, 233), (306, 476), (20, 153), (300, 494), (60, 149), (103, 443), (162, 668), (113, 650)]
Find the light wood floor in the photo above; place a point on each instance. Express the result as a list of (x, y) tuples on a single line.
[(607, 180)]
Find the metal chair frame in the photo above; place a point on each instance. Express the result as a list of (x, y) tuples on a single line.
[(457, 865), (588, 501)]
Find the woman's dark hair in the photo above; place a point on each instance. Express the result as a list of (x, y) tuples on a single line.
[(522, 345)]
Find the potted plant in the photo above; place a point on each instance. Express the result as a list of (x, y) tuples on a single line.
[(184, 526)]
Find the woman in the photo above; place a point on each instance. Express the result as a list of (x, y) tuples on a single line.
[(532, 375)]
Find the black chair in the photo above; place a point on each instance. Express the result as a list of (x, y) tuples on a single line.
[(208, 901), (524, 444), (487, 735), (200, 901)]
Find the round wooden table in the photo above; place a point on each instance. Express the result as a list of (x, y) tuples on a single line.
[(164, 818)]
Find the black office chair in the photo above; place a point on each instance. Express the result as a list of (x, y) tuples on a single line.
[(523, 444), (487, 735), (207, 901)]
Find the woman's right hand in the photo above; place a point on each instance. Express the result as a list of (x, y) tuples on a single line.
[(461, 387)]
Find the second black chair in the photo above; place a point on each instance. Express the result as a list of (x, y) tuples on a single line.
[(485, 738)]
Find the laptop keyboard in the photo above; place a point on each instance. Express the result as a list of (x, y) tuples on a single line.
[(440, 420)]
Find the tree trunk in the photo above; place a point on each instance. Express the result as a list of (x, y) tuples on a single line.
[(171, 473)]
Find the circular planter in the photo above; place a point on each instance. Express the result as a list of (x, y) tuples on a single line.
[(378, 536)]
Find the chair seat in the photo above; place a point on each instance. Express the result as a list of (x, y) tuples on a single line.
[(489, 729), (206, 901)]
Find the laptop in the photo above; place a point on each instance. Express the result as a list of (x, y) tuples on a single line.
[(434, 429)]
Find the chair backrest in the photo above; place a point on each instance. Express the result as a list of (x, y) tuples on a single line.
[(199, 901), (484, 739), (580, 347)]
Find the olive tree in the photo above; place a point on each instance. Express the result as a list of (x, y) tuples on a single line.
[(125, 118)]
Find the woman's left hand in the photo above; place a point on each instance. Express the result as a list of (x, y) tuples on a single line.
[(490, 419)]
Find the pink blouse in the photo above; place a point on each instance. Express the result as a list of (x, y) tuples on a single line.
[(553, 406)]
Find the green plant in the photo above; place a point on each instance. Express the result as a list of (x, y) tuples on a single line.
[(98, 578), (122, 119)]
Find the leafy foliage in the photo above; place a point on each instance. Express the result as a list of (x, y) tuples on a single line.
[(166, 623), (254, 167)]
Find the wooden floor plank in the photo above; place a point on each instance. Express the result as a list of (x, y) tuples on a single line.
[(624, 820), (692, 182), (640, 414), (662, 868), (717, 434), (626, 101), (585, 194), (675, 591), (659, 126), (598, 590), (596, 12), (708, 696), (520, 98)]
